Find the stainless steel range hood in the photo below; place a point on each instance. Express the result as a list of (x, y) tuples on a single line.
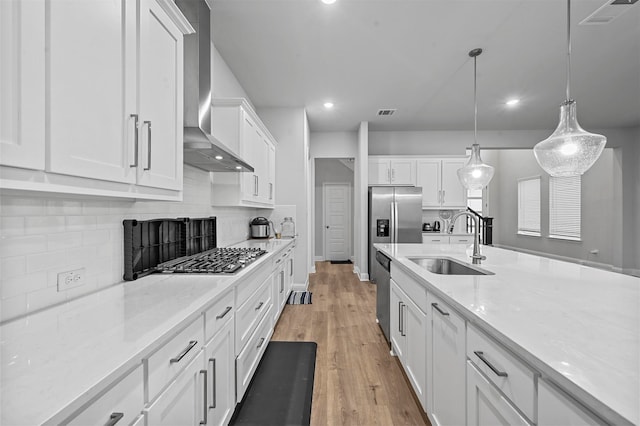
[(201, 148)]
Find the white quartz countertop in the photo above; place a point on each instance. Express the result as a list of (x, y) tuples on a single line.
[(579, 326), (62, 356)]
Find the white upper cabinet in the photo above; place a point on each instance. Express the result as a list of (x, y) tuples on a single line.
[(238, 127), (22, 78), (392, 171), (441, 187), (110, 119)]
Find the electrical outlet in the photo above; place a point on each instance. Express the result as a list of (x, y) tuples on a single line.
[(70, 279)]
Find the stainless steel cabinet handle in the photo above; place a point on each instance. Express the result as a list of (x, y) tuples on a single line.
[(400, 317), (278, 261), (135, 140), (291, 270), (181, 355), (214, 376), (443, 192), (260, 342), (270, 191), (393, 175), (281, 281), (445, 313), (205, 409), (402, 305), (389, 175), (224, 313), (148, 123), (259, 305), (114, 418), (480, 355), (255, 185)]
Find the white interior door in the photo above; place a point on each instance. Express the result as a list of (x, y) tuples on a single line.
[(337, 220)]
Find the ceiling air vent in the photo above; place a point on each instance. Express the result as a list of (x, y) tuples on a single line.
[(386, 112), (608, 12)]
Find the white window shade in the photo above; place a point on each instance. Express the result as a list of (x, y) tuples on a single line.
[(564, 207), (529, 206)]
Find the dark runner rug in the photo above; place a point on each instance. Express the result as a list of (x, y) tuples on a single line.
[(340, 262), (281, 390)]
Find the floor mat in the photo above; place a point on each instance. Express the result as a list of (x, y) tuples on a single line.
[(340, 262), (299, 298), (281, 390)]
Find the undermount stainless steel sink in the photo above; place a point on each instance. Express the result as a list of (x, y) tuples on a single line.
[(447, 266)]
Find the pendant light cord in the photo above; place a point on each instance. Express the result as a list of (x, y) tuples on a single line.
[(475, 101), (568, 51)]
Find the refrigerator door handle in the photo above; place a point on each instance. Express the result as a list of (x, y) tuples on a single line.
[(395, 222), (392, 225)]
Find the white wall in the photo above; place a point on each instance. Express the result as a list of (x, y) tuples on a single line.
[(334, 145), (329, 170), (360, 216), (289, 127)]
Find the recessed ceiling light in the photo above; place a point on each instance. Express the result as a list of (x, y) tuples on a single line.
[(238, 167), (218, 157), (328, 105), (513, 102), (328, 1)]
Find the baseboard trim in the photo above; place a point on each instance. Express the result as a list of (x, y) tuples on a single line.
[(361, 275), (318, 259)]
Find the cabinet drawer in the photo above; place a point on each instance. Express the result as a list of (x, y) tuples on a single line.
[(247, 361), (556, 408), (250, 313), (170, 359), (249, 284), (410, 286), (502, 368), (461, 239), (125, 400), (218, 314), (435, 239)]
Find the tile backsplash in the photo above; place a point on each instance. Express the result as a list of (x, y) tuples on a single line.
[(42, 235)]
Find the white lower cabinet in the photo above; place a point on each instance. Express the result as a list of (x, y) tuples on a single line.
[(486, 405), (555, 408), (122, 403), (221, 380), (184, 401), (249, 358), (446, 365), (409, 338)]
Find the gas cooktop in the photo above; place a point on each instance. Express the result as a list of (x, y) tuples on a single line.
[(214, 261)]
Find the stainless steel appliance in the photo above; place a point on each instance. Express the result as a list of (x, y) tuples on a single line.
[(260, 227), (395, 216), (215, 261)]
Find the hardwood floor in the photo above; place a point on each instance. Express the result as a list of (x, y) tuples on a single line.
[(357, 381)]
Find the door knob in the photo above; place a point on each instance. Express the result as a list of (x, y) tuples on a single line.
[(327, 226)]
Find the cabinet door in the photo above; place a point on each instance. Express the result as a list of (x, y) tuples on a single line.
[(448, 357), (428, 176), (160, 128), (403, 172), (379, 171), (289, 284), (272, 174), (91, 88), (416, 354), (554, 408), (485, 404), (435, 239), (397, 321), (262, 167), (220, 364), (22, 79), (453, 193), (182, 403), (250, 138)]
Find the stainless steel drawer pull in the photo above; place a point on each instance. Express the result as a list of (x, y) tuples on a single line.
[(259, 305), (480, 355), (260, 343), (278, 261), (148, 123), (204, 406), (402, 305), (114, 418), (213, 382), (181, 355), (435, 305), (400, 317), (223, 314), (135, 141)]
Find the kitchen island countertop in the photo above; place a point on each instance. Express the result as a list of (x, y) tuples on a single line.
[(58, 359), (579, 326)]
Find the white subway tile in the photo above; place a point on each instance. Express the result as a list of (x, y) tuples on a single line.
[(95, 207), (108, 222), (46, 261), (64, 207), (80, 257), (95, 237), (19, 206), (65, 240), (17, 246), (11, 226), (35, 225), (13, 307), (80, 223), (23, 284), (13, 267)]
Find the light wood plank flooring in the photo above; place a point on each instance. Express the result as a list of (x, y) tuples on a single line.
[(357, 381)]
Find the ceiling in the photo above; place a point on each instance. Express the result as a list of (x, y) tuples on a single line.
[(412, 55)]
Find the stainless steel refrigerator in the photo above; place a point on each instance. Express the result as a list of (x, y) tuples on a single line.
[(395, 216)]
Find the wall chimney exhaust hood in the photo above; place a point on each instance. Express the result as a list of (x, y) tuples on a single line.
[(201, 148)]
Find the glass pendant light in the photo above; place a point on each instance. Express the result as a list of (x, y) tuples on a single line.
[(475, 174), (570, 150)]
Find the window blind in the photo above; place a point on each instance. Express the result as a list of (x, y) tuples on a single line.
[(529, 205), (564, 207)]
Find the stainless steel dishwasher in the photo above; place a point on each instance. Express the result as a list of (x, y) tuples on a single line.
[(383, 277)]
